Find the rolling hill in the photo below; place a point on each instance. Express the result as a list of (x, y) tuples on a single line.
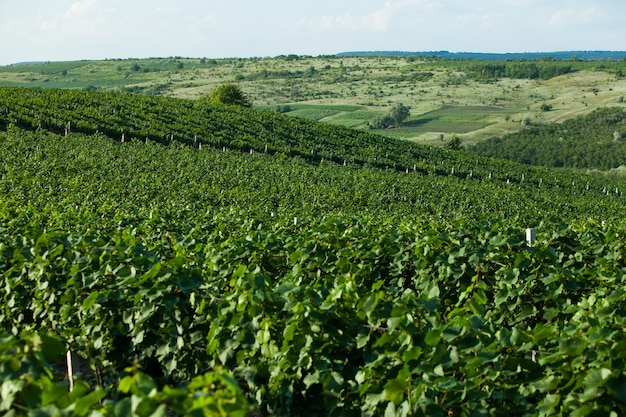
[(471, 99)]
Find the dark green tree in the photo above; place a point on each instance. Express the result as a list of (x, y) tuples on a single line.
[(229, 94), (399, 112), (546, 107)]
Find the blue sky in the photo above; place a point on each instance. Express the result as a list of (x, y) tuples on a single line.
[(35, 30)]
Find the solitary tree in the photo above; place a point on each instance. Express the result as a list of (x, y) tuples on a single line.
[(399, 112), (229, 94)]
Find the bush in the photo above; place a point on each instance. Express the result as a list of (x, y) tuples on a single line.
[(454, 144), (283, 108), (382, 122), (546, 107)]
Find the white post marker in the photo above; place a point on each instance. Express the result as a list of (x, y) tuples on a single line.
[(72, 367), (531, 236)]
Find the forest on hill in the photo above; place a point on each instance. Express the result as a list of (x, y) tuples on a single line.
[(208, 259), (594, 141)]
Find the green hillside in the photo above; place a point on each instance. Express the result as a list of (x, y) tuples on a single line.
[(594, 141), (471, 99), (197, 257)]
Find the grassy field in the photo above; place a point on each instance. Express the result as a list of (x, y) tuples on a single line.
[(349, 91)]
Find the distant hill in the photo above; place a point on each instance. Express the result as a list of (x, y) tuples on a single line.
[(27, 63), (558, 55)]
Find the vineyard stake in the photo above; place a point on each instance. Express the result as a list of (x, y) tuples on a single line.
[(531, 236), (72, 367)]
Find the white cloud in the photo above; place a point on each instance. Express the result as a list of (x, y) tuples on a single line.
[(79, 9), (574, 17), (344, 21), (82, 18), (379, 20)]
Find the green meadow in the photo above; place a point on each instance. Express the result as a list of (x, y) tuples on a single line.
[(447, 97)]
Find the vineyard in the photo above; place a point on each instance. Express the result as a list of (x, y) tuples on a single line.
[(211, 260)]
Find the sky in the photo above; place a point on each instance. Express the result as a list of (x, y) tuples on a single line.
[(61, 30)]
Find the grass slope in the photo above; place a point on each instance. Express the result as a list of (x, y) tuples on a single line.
[(369, 85)]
